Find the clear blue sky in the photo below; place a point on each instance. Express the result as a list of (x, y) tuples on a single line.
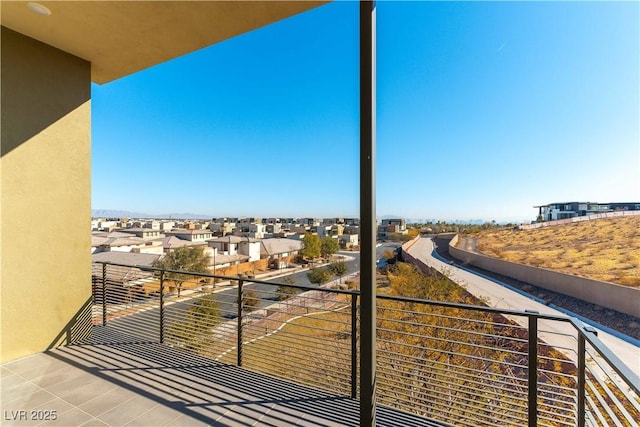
[(483, 111)]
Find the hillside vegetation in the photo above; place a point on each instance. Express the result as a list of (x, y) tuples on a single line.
[(604, 249)]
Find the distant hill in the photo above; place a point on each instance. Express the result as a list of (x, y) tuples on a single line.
[(111, 213)]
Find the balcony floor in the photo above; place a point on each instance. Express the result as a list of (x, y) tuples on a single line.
[(115, 381)]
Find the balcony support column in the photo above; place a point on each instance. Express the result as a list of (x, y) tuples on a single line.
[(368, 223)]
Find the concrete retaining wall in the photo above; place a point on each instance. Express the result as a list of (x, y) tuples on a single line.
[(616, 297)]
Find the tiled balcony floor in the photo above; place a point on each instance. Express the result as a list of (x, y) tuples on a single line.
[(112, 382)]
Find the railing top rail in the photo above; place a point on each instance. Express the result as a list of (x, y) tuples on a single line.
[(590, 335)]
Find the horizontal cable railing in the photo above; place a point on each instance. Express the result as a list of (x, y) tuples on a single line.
[(455, 363), (285, 330)]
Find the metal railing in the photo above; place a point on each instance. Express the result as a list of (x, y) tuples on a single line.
[(454, 363)]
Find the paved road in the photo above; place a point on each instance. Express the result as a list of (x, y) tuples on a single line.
[(146, 325), (501, 297)]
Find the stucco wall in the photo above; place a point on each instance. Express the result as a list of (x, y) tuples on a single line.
[(617, 297), (45, 197)]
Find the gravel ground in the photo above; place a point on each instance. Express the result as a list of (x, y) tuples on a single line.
[(624, 323)]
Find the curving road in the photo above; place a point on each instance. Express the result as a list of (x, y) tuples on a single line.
[(499, 296)]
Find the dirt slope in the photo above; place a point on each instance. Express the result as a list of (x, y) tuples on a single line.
[(603, 249)]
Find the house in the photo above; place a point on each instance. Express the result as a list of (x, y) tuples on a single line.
[(115, 241), (154, 225), (191, 235), (170, 243), (132, 280), (251, 227), (103, 225), (230, 250), (564, 210), (348, 241), (351, 229), (273, 227), (167, 225), (130, 258), (221, 229), (143, 233), (390, 226), (280, 252)]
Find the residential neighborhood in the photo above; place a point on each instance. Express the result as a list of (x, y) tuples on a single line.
[(234, 245)]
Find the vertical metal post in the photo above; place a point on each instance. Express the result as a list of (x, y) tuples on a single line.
[(582, 363), (533, 370), (354, 345), (104, 294), (239, 343), (367, 216), (161, 306)]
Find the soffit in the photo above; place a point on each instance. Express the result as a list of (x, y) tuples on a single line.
[(122, 37)]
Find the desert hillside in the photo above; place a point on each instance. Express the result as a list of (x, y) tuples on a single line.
[(604, 249)]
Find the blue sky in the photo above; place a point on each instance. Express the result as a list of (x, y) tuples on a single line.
[(483, 111)]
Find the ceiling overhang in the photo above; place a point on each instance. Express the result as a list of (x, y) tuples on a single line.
[(122, 37)]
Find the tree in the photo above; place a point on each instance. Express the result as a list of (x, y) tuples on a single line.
[(328, 246), (250, 300), (186, 259), (318, 276), (192, 330), (285, 292), (205, 313), (388, 254), (311, 246), (338, 269)]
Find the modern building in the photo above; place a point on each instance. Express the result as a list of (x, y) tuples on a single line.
[(564, 210)]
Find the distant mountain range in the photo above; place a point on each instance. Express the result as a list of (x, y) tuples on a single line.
[(114, 213), (111, 213)]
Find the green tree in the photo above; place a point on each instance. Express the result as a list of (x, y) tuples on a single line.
[(186, 259), (205, 312), (311, 246), (329, 246), (250, 300), (285, 292), (319, 275), (338, 269), (388, 254), (192, 330)]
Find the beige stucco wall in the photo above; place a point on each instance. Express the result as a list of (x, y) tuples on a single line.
[(45, 194)]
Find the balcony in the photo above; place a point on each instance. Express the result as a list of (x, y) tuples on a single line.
[(289, 355)]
